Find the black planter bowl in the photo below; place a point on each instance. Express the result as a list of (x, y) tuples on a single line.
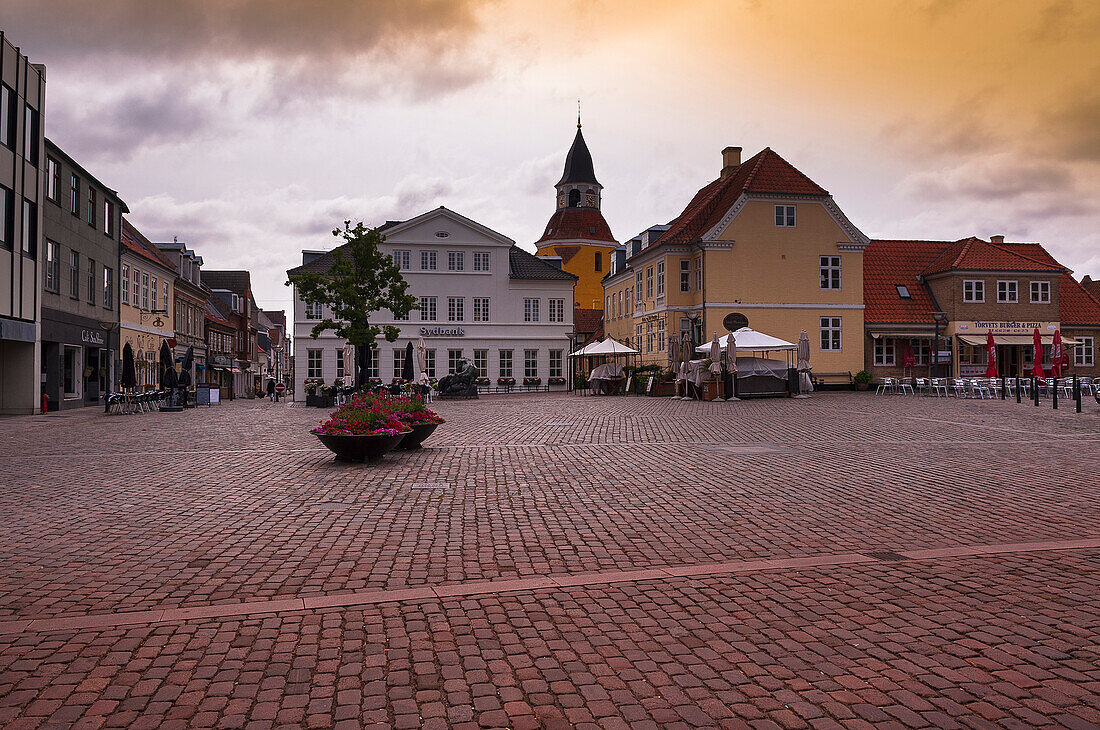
[(359, 448), (414, 438)]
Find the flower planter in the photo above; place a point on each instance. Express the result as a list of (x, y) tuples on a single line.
[(320, 401), (360, 448), (415, 437)]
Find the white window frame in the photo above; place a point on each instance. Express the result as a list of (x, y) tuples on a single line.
[(504, 360), (832, 334), (638, 289), (77, 373), (481, 261), (530, 363), (785, 216), (313, 310), (557, 310), (428, 260), (398, 362), (530, 310), (698, 273), (1042, 288), (971, 289), (126, 283), (685, 275), (557, 368), (427, 309), (649, 282), (454, 357), (340, 363), (660, 279), (429, 362), (1084, 354), (1003, 291), (885, 351), (481, 362), (456, 261), (830, 275), (661, 335), (403, 259), (315, 362), (456, 309), (481, 309)]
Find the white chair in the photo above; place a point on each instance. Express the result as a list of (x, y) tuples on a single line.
[(921, 386), (1087, 386), (958, 386), (939, 384), (906, 384), (886, 386)]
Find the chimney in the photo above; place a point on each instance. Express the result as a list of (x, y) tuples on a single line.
[(996, 239), (731, 159)]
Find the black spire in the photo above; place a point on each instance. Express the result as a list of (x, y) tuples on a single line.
[(578, 163)]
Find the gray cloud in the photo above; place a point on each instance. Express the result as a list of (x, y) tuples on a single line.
[(1072, 127), (999, 177)]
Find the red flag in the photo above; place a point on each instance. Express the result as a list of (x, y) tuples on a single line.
[(1037, 357), (1056, 354), (991, 356)]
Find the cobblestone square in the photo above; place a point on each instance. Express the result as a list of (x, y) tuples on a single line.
[(556, 561)]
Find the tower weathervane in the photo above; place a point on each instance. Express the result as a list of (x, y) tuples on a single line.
[(578, 113)]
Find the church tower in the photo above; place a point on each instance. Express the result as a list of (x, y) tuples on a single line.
[(577, 231)]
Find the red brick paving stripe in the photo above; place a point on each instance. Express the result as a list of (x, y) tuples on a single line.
[(481, 588)]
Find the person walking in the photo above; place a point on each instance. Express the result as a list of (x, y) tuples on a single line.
[(271, 390)]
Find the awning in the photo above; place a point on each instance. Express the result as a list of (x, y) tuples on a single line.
[(905, 335), (1024, 340)]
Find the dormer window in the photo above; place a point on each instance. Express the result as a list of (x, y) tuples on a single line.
[(903, 291)]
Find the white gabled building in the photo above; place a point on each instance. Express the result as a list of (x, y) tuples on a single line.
[(481, 297)]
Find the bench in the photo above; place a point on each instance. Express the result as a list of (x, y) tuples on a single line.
[(832, 380)]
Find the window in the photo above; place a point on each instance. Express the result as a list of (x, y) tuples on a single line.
[(91, 206), (6, 218), (784, 216), (699, 273), (53, 178), (74, 195), (1083, 354), (454, 359), (505, 363), (456, 261), (313, 310), (922, 351), (660, 335), (598, 262), (401, 258), (830, 272), (53, 267), (427, 260), (660, 279), (429, 362), (109, 218), (481, 362), (31, 135), (74, 275), (1040, 292), (1006, 292), (481, 260), (638, 336), (456, 309), (91, 281), (7, 117), (973, 291), (649, 282), (649, 336), (481, 309), (137, 285), (637, 288), (884, 351), (313, 362), (556, 361), (427, 309), (903, 291), (374, 366), (30, 229), (530, 363), (145, 290), (557, 310), (73, 372), (530, 310), (830, 333), (685, 275), (398, 362), (340, 373)]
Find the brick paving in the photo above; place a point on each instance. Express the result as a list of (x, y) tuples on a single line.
[(555, 561)]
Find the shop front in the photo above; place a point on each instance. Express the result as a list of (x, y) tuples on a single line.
[(78, 360), (1014, 344)]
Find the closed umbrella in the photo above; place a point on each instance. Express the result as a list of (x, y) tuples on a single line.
[(407, 373), (731, 364), (715, 354), (805, 384), (674, 345), (129, 372), (422, 357), (907, 359), (1056, 353), (991, 355), (348, 356), (188, 364), (1037, 365), (167, 366), (685, 366)]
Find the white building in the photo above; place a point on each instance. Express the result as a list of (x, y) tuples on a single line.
[(481, 297)]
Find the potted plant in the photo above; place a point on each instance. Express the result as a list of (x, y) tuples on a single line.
[(555, 381), (506, 383), (863, 380), (482, 382), (419, 418), (362, 430), (532, 382), (311, 392)]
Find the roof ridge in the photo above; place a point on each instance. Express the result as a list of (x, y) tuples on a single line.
[(756, 168), (965, 250), (1001, 247)]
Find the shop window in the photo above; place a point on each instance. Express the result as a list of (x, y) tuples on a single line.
[(884, 351), (73, 372)]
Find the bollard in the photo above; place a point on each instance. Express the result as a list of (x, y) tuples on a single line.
[(1076, 393), (1055, 381), (1017, 388), (1035, 390)]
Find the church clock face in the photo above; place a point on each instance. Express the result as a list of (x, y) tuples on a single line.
[(561, 200), (590, 200)]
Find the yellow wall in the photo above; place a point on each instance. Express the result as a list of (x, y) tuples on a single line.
[(144, 334), (588, 291)]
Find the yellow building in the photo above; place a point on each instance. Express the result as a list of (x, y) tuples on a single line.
[(762, 245), (146, 287), (577, 232)]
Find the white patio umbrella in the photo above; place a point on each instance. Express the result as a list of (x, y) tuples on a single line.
[(348, 357), (675, 348), (805, 384), (731, 362), (685, 368), (715, 356), (422, 357)]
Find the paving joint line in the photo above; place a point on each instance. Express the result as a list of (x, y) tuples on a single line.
[(247, 609)]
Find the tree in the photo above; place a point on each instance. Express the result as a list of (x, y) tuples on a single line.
[(360, 281)]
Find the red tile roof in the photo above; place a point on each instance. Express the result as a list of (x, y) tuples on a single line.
[(889, 263), (1092, 286), (133, 240), (587, 320), (766, 173), (975, 254), (585, 224), (1076, 305)]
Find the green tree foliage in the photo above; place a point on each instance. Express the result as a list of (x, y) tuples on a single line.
[(360, 281)]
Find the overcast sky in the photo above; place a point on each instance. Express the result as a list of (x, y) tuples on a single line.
[(249, 129)]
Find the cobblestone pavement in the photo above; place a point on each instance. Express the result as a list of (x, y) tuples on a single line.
[(555, 561)]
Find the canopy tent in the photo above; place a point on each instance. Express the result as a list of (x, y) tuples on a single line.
[(607, 347), (750, 340)]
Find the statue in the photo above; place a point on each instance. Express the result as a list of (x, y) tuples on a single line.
[(461, 384)]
